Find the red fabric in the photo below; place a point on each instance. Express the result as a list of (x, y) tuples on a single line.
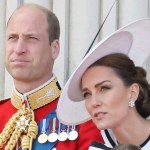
[(87, 131)]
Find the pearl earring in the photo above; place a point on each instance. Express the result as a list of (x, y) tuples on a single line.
[(131, 104)]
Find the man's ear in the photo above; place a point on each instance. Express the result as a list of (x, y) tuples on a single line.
[(55, 46), (134, 92)]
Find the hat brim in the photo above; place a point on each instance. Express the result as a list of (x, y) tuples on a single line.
[(129, 40)]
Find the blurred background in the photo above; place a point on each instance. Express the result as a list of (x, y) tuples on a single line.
[(80, 21)]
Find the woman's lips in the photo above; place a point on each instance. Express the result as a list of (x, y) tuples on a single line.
[(99, 115)]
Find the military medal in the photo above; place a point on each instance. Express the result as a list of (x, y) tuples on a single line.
[(43, 136), (63, 135), (52, 137), (73, 134)]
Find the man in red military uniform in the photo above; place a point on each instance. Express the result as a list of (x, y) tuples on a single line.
[(28, 118)]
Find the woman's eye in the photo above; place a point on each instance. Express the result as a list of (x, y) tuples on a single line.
[(86, 95), (104, 88)]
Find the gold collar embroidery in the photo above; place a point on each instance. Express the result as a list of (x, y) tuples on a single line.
[(38, 97)]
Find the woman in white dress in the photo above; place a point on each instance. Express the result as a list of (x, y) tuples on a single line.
[(110, 86)]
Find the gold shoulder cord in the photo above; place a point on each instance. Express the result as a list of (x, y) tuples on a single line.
[(21, 125)]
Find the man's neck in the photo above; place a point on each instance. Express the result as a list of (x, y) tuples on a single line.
[(27, 86)]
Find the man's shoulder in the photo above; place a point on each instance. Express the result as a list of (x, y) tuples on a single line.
[(7, 110), (5, 101)]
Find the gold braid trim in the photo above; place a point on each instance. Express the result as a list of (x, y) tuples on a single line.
[(13, 140), (32, 133), (7, 131), (21, 125)]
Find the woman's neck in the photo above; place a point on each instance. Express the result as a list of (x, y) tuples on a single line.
[(135, 130)]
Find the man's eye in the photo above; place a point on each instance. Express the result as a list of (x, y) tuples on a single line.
[(32, 37), (11, 37)]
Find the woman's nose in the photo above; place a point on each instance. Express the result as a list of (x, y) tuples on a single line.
[(96, 100)]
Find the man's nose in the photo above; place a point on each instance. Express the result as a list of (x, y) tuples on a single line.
[(20, 46)]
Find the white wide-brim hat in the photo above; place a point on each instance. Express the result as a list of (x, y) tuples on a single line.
[(133, 40)]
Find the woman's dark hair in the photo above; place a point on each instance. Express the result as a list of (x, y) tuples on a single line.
[(129, 73)]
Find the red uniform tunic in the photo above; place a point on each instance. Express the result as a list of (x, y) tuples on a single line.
[(87, 131)]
